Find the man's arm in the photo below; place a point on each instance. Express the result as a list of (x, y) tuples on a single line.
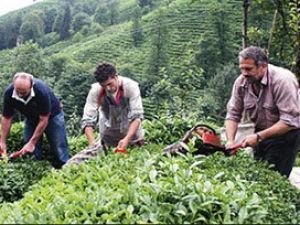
[(133, 127), (90, 114), (5, 124), (277, 129), (89, 133), (38, 132), (231, 129)]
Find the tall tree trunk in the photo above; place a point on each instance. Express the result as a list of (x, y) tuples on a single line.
[(245, 23), (272, 30)]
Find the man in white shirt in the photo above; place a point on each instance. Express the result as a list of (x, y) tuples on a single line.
[(115, 102)]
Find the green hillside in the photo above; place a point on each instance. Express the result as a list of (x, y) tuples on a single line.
[(183, 53)]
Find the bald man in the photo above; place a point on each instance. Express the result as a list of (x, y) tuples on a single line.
[(43, 114)]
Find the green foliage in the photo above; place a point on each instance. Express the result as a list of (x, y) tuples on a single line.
[(3, 37), (87, 7), (64, 30), (80, 20), (48, 39), (158, 59), (76, 144), (73, 124), (17, 177), (58, 22), (96, 28), (49, 15), (143, 3), (28, 58), (218, 45), (177, 50), (15, 139), (32, 27), (73, 87), (137, 31), (101, 15), (166, 130), (216, 96), (113, 11), (159, 189), (13, 23)]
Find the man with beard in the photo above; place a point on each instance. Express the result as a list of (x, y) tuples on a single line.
[(269, 95)]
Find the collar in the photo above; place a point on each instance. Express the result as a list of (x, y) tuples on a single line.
[(264, 80), (15, 96)]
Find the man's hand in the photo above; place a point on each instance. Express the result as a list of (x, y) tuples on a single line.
[(250, 141), (123, 143), (3, 150), (229, 144), (29, 147)]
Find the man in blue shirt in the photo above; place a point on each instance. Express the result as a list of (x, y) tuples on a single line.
[(43, 114)]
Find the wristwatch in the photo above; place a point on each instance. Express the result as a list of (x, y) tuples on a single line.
[(258, 138)]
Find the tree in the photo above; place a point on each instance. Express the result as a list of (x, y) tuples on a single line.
[(245, 23), (144, 3), (158, 44), (216, 48), (66, 23), (113, 12), (49, 16), (87, 6), (32, 27), (73, 86), (80, 20), (137, 30), (219, 87), (3, 37), (62, 22), (58, 22), (101, 15), (13, 24), (28, 57), (294, 24)]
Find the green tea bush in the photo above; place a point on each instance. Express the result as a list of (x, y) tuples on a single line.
[(144, 186), (15, 138), (76, 144), (167, 130), (16, 177)]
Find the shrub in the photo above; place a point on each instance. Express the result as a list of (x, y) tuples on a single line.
[(146, 187)]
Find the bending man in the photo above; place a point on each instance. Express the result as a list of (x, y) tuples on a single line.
[(43, 113), (116, 102)]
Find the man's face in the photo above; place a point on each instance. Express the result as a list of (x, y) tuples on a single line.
[(110, 85), (22, 87), (250, 71)]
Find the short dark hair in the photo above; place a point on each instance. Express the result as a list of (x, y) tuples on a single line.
[(259, 55), (104, 71)]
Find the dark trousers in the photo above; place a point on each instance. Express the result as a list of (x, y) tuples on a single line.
[(280, 151), (57, 137)]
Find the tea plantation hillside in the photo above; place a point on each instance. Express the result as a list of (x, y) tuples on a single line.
[(182, 26)]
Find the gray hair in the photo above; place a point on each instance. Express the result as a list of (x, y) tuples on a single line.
[(259, 55), (23, 75)]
